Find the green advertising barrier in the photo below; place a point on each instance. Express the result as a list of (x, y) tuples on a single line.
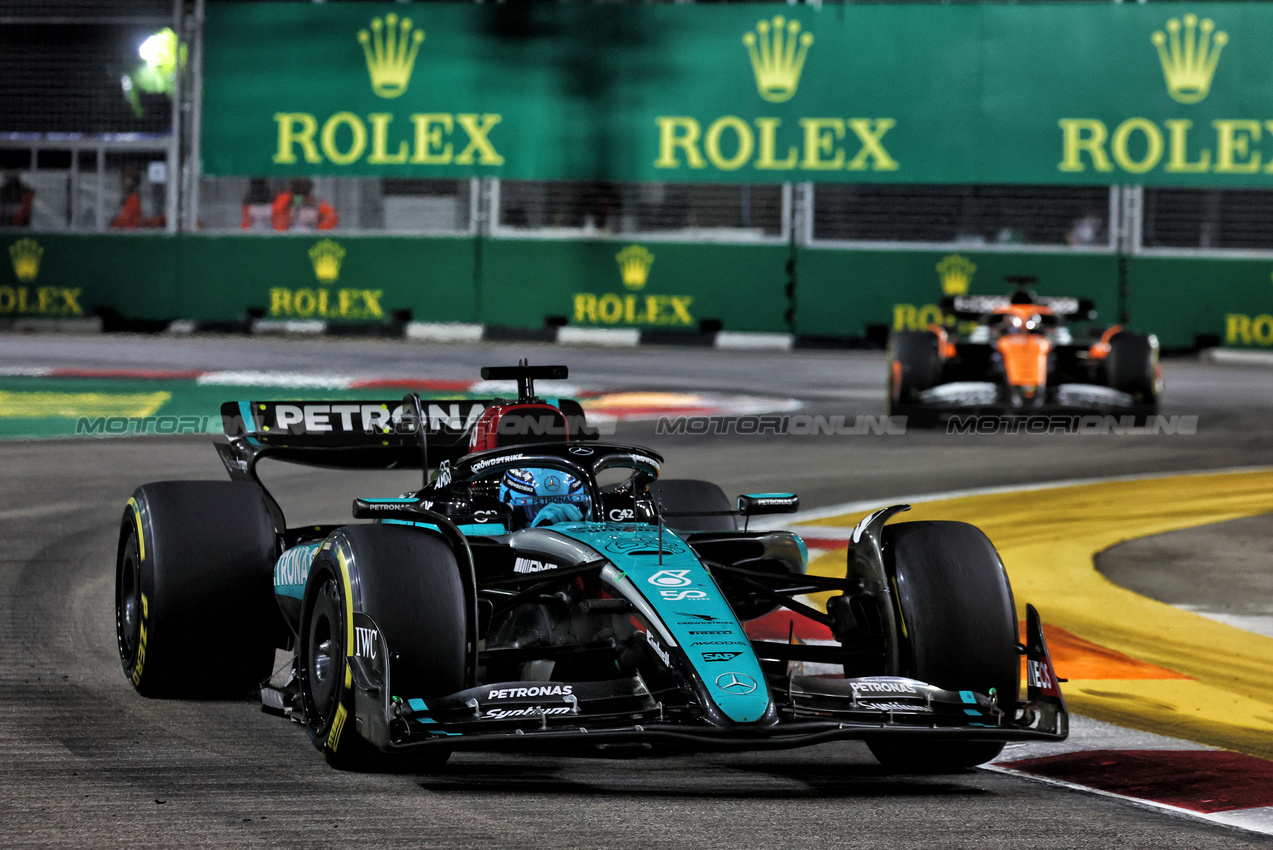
[(647, 285), (843, 293), (66, 277), (1229, 300), (220, 278), (1041, 93), (333, 277)]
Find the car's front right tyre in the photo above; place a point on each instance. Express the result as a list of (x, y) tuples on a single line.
[(194, 605)]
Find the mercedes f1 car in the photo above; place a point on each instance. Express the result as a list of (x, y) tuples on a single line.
[(1021, 358), (544, 590)]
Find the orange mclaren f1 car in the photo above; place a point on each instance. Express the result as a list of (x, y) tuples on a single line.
[(1020, 358)]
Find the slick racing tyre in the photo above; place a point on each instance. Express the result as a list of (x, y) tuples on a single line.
[(960, 628), (194, 598), (1132, 367), (409, 585), (688, 495), (914, 365)]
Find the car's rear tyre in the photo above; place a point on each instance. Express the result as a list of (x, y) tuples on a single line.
[(1132, 367), (960, 628), (689, 495), (914, 365), (194, 604), (410, 586)]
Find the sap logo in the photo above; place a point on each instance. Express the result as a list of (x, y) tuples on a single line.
[(720, 656), (367, 642)]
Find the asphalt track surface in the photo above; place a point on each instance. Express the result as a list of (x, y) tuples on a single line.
[(86, 761)]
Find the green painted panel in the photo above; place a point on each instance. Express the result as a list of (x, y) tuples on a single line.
[(668, 286), (843, 292), (68, 276), (1179, 299), (333, 277), (740, 92)]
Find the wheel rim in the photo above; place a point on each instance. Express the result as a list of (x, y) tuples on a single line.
[(323, 652), (128, 604)]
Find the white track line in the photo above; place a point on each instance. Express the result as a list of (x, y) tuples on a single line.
[(1258, 820)]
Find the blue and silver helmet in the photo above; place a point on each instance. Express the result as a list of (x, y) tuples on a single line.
[(528, 490)]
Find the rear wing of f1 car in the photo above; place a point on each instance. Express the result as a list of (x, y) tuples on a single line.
[(977, 307), (404, 433)]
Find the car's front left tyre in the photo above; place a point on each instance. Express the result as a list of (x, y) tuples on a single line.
[(409, 585)]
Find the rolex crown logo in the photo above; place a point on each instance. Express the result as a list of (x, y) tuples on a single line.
[(1189, 62), (390, 49), (26, 254), (326, 257), (634, 265), (956, 273), (777, 57)]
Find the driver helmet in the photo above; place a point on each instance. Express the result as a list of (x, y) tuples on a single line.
[(543, 496)]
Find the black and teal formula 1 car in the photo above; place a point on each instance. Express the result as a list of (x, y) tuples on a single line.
[(544, 591)]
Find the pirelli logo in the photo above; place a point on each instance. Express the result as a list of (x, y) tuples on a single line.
[(338, 726)]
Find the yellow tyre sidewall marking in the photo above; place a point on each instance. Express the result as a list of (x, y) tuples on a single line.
[(141, 539), (1048, 539), (143, 636), (338, 722)]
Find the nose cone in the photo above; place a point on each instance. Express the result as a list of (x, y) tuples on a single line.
[(1025, 360)]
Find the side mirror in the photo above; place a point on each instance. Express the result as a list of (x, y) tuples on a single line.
[(759, 504)]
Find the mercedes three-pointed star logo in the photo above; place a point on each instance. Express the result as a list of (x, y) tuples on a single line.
[(739, 684)]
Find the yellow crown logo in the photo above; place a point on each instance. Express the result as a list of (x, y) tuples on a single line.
[(26, 254), (956, 273), (1189, 66), (634, 265), (326, 257), (390, 49), (777, 57)]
